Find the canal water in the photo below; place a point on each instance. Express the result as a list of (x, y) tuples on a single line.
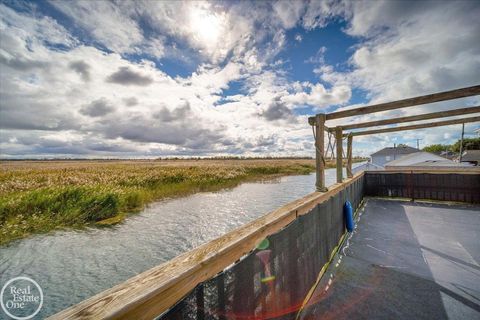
[(71, 266)]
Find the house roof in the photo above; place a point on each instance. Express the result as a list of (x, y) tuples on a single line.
[(471, 155), (398, 150), (416, 157), (440, 163)]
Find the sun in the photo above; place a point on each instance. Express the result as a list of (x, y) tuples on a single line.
[(206, 25)]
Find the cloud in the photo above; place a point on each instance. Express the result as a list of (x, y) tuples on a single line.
[(319, 97), (179, 113), (289, 12), (127, 77), (107, 23), (150, 130), (277, 111), (130, 101), (82, 68), (416, 54), (97, 108)]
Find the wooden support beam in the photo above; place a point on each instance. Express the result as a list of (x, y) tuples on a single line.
[(417, 126), (436, 97), (319, 152), (427, 116), (149, 294), (349, 156), (339, 137)]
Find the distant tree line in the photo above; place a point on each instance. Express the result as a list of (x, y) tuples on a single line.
[(468, 144)]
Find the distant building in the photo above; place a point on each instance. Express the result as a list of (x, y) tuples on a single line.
[(422, 159), (471, 156), (381, 157)]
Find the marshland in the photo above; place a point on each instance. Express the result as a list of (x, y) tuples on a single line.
[(40, 196)]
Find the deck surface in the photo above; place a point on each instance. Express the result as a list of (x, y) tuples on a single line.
[(404, 261)]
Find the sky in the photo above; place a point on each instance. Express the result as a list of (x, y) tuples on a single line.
[(147, 79)]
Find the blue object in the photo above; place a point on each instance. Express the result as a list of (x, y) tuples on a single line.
[(348, 211)]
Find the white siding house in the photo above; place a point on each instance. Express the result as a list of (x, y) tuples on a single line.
[(381, 157)]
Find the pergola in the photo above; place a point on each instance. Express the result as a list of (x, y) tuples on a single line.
[(319, 125)]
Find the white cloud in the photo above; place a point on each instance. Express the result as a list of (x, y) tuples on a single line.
[(106, 22), (319, 96), (289, 12)]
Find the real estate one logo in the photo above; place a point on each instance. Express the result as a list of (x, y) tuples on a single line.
[(21, 298)]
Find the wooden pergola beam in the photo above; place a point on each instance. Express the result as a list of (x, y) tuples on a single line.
[(430, 98), (349, 156), (339, 155), (416, 126), (319, 152), (426, 116)]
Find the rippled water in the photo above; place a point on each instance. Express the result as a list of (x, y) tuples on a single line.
[(73, 265)]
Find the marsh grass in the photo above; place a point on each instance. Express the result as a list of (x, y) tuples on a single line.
[(38, 197)]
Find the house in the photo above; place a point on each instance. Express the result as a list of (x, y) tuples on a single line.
[(471, 156), (381, 157), (422, 159)]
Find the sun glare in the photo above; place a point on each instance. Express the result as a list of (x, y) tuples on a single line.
[(205, 25)]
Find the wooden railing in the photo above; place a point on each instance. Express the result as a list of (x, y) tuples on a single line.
[(155, 291)]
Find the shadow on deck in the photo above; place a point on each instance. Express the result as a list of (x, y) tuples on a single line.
[(404, 260)]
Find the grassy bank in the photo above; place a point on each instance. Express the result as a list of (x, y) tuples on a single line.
[(37, 197)]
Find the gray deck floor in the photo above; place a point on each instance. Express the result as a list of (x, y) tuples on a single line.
[(404, 261)]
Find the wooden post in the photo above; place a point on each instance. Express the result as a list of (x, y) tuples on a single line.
[(319, 152), (339, 137), (349, 156), (461, 143)]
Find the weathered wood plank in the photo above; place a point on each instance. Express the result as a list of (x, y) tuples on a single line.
[(339, 137), (319, 152), (430, 98), (427, 116), (417, 126), (349, 156), (153, 292)]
